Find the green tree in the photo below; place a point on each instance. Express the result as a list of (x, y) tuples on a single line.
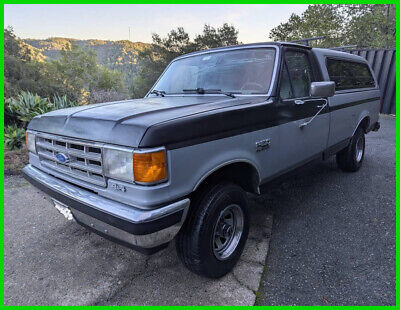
[(80, 74), (371, 25), (24, 71), (364, 25), (75, 74), (317, 20), (211, 37)]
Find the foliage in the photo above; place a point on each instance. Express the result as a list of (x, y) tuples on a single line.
[(13, 137), (211, 37), (371, 25), (99, 96), (10, 117), (24, 71), (61, 102), (120, 56), (154, 59), (75, 73), (79, 72), (27, 105), (317, 20), (364, 25)]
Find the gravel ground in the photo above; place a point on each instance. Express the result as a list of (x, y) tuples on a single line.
[(333, 237)]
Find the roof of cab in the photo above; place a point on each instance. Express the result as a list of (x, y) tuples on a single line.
[(244, 46), (317, 51)]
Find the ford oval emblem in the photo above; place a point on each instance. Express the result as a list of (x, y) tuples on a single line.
[(62, 158)]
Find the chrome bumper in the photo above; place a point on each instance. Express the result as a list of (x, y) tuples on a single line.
[(142, 230)]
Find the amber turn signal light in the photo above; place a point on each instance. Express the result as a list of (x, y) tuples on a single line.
[(149, 167)]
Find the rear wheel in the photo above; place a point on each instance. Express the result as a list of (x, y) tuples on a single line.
[(351, 158), (212, 240)]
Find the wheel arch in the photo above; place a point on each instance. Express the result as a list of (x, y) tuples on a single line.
[(363, 122), (240, 171)]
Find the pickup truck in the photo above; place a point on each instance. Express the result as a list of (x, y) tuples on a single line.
[(216, 125)]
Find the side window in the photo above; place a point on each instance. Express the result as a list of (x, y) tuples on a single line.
[(285, 91), (349, 74), (300, 73), (362, 75)]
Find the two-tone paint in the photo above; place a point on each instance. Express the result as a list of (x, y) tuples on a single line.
[(203, 133)]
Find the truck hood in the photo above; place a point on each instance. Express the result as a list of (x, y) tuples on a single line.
[(126, 122)]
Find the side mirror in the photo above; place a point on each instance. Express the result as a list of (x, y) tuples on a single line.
[(322, 89)]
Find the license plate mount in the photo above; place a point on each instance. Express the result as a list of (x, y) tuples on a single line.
[(64, 210)]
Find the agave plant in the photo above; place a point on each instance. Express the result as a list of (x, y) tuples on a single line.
[(28, 105), (13, 137), (62, 102)]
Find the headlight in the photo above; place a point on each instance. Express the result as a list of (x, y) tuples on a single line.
[(118, 164), (146, 168), (30, 141)]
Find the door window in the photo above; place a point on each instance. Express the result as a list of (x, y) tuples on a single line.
[(300, 73)]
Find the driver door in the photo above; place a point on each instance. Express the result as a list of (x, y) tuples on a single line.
[(304, 134)]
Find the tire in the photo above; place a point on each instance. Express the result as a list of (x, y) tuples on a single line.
[(351, 158), (219, 213)]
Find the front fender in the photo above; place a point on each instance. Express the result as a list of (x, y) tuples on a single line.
[(190, 166)]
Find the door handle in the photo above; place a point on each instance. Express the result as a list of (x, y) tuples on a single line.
[(298, 102)]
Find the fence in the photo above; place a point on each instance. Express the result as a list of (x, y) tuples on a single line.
[(383, 62)]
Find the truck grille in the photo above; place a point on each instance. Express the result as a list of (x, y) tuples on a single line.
[(84, 159)]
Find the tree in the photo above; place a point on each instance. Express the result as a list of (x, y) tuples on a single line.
[(24, 71), (364, 25), (78, 72), (317, 20), (211, 37), (177, 42), (75, 74), (371, 25)]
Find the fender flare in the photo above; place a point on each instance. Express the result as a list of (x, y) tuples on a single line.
[(364, 114), (224, 164)]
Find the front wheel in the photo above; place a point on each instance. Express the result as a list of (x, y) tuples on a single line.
[(212, 240), (351, 158)]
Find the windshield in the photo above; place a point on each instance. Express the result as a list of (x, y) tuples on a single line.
[(242, 71)]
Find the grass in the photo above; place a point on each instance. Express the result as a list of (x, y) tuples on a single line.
[(15, 160)]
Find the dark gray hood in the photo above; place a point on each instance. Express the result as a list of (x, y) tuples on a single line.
[(126, 122)]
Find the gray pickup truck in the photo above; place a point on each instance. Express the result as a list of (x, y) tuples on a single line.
[(218, 123)]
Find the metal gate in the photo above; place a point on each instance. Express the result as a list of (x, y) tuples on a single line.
[(383, 62)]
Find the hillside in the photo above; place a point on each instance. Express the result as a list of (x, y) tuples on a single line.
[(110, 53), (116, 55)]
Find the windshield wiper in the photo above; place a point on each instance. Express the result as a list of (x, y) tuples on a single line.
[(200, 90), (158, 92)]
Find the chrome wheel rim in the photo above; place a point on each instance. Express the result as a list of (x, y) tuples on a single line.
[(228, 231), (359, 149)]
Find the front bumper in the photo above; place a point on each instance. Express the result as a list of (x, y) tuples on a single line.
[(143, 230)]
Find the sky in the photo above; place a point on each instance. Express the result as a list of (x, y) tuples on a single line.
[(112, 22)]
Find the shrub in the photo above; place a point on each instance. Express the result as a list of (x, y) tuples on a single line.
[(10, 117), (13, 137), (100, 96), (27, 105), (62, 102)]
